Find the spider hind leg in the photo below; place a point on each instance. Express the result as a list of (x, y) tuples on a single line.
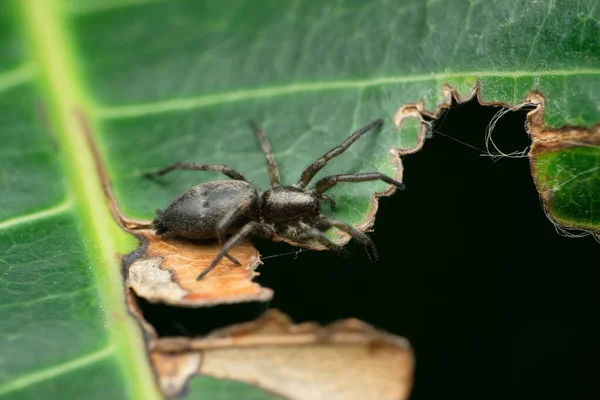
[(308, 232), (157, 223), (326, 222)]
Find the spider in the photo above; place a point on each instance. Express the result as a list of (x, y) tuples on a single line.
[(219, 208)]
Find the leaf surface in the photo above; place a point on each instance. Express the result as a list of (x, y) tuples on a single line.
[(177, 81), (166, 81)]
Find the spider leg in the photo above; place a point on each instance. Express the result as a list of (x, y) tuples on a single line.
[(232, 259), (329, 199), (226, 222), (319, 163), (327, 222), (250, 228), (308, 232), (188, 166), (329, 181), (266, 147)]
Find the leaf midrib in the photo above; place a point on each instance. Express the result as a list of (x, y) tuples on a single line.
[(58, 73)]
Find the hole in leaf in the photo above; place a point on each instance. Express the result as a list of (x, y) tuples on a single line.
[(171, 321), (471, 271)]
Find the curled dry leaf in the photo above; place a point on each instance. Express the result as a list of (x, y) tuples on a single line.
[(346, 360), (174, 370), (164, 270)]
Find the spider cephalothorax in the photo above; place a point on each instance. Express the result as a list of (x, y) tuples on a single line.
[(216, 209)]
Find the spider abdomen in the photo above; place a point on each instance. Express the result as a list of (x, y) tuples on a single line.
[(287, 203), (195, 213)]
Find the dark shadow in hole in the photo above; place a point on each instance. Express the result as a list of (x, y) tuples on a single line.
[(494, 301), (171, 321)]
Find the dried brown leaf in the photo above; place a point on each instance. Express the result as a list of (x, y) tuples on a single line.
[(174, 370), (347, 360), (165, 271)]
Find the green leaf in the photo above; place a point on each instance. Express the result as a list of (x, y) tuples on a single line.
[(177, 81), (568, 180), (166, 81), (65, 330)]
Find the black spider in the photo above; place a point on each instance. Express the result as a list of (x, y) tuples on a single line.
[(215, 209)]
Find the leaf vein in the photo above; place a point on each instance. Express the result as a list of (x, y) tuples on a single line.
[(85, 8), (51, 47), (16, 77), (34, 216), (575, 177), (56, 370), (142, 109), (45, 299), (539, 31)]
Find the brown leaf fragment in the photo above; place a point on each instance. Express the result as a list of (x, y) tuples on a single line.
[(166, 271), (348, 359), (547, 139), (174, 370), (558, 139)]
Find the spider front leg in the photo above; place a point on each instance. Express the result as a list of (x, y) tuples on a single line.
[(248, 229), (329, 181), (272, 169), (320, 162)]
